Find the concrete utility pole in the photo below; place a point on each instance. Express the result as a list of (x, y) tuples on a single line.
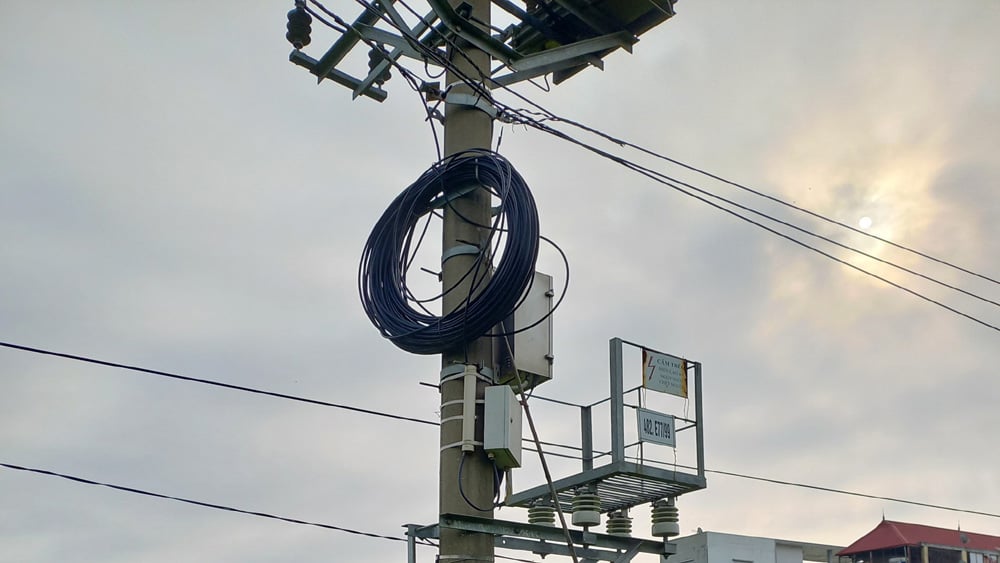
[(465, 128)]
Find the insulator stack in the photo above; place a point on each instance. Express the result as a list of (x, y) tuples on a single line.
[(619, 524), (375, 57), (542, 513), (586, 509), (665, 520), (299, 26)]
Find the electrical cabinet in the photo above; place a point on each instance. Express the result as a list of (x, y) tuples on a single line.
[(502, 426), (527, 351)]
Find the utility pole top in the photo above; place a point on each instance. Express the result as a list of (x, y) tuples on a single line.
[(557, 37)]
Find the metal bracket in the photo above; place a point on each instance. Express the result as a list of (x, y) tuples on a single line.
[(458, 251), (457, 371), (471, 100), (544, 540)]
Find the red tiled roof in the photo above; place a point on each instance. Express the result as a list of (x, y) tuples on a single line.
[(895, 534)]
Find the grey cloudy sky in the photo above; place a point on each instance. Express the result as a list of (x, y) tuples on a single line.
[(174, 194)]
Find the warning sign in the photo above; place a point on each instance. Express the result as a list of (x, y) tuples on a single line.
[(664, 373)]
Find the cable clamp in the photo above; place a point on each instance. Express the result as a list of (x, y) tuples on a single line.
[(457, 371), (471, 100), (459, 250), (459, 445)]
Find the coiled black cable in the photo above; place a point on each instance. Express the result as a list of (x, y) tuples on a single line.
[(388, 254)]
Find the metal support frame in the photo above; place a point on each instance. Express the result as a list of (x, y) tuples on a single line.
[(622, 483), (617, 402), (594, 35), (541, 540)]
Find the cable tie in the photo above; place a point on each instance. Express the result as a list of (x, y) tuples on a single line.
[(460, 401), (459, 445)]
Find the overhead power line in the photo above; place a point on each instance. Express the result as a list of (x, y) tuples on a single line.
[(200, 503), (548, 453), (853, 493), (204, 504), (213, 383), (661, 178), (759, 193)]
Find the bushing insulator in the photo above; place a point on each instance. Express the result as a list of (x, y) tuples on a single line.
[(543, 514), (665, 519), (299, 27), (374, 58), (619, 524), (586, 509)]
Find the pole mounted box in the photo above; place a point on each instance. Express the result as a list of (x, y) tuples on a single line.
[(527, 351), (502, 426)]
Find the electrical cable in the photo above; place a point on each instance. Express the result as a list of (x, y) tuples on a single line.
[(550, 116), (211, 382), (816, 235), (461, 486), (819, 236), (541, 455), (385, 260), (538, 125), (772, 198), (655, 177), (842, 491), (409, 419), (204, 504)]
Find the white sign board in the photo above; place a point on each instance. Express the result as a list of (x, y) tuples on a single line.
[(656, 427), (664, 373)]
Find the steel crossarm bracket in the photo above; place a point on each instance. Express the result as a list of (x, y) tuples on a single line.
[(305, 61), (576, 50), (553, 534), (566, 56), (344, 43), (402, 45), (543, 548)]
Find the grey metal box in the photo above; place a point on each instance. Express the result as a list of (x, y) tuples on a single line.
[(502, 426), (531, 349)]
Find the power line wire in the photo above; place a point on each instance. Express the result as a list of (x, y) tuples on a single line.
[(852, 493), (550, 453), (212, 383), (819, 236), (658, 177), (200, 503), (203, 504), (764, 195)]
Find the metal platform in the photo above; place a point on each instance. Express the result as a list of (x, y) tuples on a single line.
[(621, 484)]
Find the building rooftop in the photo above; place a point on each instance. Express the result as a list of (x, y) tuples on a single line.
[(889, 534)]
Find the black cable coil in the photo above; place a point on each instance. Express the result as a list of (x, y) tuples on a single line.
[(388, 255)]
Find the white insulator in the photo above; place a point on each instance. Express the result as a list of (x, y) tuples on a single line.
[(543, 514), (586, 509), (619, 524), (665, 520)]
